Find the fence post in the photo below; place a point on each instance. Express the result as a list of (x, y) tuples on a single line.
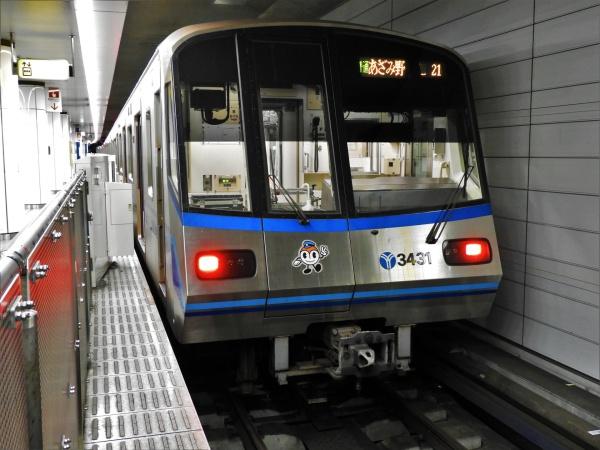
[(31, 365)]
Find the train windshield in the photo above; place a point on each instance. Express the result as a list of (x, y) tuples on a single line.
[(215, 153), (295, 126), (407, 125)]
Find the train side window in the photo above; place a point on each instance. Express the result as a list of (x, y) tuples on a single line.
[(173, 160), (123, 157), (216, 168), (295, 126), (117, 150), (149, 152)]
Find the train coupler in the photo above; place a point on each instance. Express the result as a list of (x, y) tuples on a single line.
[(349, 350), (362, 353)]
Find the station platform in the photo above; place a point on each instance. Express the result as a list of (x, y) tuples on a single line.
[(136, 395)]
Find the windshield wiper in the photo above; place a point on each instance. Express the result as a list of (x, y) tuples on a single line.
[(442, 220), (302, 217)]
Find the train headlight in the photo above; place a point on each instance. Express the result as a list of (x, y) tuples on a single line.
[(218, 265), (462, 252)]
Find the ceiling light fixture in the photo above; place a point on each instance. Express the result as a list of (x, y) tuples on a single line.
[(230, 2)]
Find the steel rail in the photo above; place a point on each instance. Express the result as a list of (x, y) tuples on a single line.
[(433, 435), (250, 430), (518, 420)]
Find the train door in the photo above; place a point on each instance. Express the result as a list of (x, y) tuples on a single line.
[(309, 266), (158, 170), (128, 163), (118, 156), (151, 213), (122, 156), (139, 180), (149, 227), (125, 150)]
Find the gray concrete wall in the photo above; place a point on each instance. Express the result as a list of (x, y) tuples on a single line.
[(535, 67)]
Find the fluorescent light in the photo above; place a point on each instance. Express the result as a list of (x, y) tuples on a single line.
[(86, 25), (230, 2)]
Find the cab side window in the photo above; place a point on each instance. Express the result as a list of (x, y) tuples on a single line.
[(173, 159), (216, 168)]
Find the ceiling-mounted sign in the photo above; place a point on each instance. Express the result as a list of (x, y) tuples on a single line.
[(43, 69), (53, 100)]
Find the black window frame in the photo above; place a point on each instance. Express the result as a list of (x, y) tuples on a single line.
[(170, 114), (183, 178), (295, 35)]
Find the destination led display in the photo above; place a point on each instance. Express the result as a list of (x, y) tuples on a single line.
[(397, 68), (431, 69), (381, 67)]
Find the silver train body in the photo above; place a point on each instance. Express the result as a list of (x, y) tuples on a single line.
[(375, 265)]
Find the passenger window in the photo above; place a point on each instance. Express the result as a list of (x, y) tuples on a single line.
[(295, 124), (216, 167), (173, 160), (149, 152)]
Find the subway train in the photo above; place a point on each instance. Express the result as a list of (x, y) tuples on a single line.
[(291, 177)]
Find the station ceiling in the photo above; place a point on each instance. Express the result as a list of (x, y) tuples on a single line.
[(127, 34), (42, 29), (148, 23)]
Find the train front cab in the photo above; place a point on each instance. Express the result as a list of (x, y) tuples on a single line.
[(306, 168)]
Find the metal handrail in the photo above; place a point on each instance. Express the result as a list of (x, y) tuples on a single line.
[(22, 308), (14, 259)]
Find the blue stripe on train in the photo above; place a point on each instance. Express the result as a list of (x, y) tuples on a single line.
[(313, 301), (420, 296), (424, 218), (225, 304), (426, 290), (314, 226), (310, 298), (284, 225), (221, 222), (221, 312)]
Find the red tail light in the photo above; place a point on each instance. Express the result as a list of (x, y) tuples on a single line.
[(208, 263), (473, 249), (223, 264), (462, 252)]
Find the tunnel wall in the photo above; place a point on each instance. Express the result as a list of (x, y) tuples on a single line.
[(535, 67)]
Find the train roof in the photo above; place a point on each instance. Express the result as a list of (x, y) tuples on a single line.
[(176, 38), (168, 46)]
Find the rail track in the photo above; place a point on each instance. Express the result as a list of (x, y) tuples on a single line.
[(450, 401), (463, 394), (317, 413)]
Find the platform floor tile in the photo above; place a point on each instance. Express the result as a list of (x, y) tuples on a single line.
[(137, 398)]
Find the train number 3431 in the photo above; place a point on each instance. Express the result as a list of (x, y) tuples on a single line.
[(419, 258)]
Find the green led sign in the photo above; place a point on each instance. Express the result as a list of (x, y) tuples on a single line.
[(382, 67)]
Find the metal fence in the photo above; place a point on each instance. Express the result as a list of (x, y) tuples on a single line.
[(44, 293)]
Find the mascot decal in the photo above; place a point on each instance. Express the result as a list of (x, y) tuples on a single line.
[(310, 255)]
